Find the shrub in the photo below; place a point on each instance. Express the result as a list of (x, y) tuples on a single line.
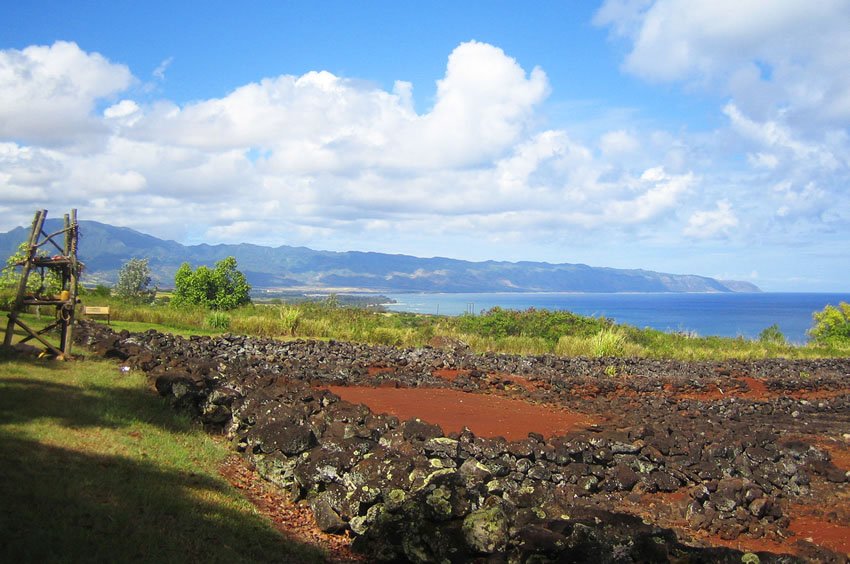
[(608, 342), (832, 325), (289, 317), (218, 320), (46, 282), (523, 345), (772, 335), (386, 336)]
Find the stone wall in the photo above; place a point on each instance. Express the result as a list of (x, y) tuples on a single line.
[(406, 491)]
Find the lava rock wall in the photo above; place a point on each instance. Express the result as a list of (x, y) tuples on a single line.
[(409, 492)]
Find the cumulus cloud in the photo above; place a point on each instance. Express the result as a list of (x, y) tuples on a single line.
[(790, 55), (47, 93), (320, 159), (321, 122), (780, 70)]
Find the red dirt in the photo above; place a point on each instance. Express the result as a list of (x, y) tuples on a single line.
[(757, 391), (485, 415), (814, 528), (295, 522), (821, 532), (839, 453), (450, 374)]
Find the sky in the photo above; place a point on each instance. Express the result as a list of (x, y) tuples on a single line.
[(703, 137)]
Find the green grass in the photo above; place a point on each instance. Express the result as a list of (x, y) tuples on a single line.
[(96, 468)]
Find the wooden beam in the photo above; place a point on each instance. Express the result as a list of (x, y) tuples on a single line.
[(35, 335)]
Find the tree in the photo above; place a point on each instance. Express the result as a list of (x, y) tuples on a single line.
[(832, 325), (134, 280), (10, 276), (220, 287)]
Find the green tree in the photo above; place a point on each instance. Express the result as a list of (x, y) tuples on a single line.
[(832, 325), (221, 287), (43, 282), (134, 281)]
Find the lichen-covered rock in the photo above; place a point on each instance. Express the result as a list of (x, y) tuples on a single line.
[(486, 530)]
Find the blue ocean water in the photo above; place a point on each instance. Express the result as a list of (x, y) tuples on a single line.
[(725, 315)]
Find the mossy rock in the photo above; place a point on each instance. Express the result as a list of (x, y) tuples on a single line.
[(486, 530)]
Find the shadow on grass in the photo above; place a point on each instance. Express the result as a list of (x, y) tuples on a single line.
[(63, 505), (25, 399), (60, 504), (32, 388)]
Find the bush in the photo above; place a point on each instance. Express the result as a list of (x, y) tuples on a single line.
[(570, 346), (218, 320), (608, 343), (772, 335), (536, 323), (289, 317), (832, 325), (221, 287), (10, 277)]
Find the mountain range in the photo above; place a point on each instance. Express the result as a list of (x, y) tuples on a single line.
[(105, 248)]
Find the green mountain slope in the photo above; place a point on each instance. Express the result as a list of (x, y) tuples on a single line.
[(104, 248)]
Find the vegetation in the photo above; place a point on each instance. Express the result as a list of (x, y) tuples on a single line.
[(772, 334), (499, 330), (832, 325), (95, 468), (44, 282), (222, 287), (134, 281)]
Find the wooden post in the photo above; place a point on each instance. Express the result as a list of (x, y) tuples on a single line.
[(67, 310), (37, 224)]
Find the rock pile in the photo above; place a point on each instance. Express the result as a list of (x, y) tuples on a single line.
[(408, 491)]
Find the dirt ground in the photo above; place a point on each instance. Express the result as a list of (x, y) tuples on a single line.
[(822, 518)]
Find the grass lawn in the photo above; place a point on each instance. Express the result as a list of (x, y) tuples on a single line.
[(95, 467)]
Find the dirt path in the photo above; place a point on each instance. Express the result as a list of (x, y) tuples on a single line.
[(292, 520)]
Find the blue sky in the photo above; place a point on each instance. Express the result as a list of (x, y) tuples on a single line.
[(706, 137)]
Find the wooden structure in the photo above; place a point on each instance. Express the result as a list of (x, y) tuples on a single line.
[(37, 262), (96, 310)]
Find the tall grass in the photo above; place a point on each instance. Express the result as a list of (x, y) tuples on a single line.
[(517, 332)]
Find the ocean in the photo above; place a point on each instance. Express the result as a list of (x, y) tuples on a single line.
[(724, 315)]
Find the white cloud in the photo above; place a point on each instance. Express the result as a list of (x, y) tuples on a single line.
[(324, 160), (618, 142), (47, 94), (708, 224), (122, 109), (763, 160), (780, 69), (321, 122), (788, 55)]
